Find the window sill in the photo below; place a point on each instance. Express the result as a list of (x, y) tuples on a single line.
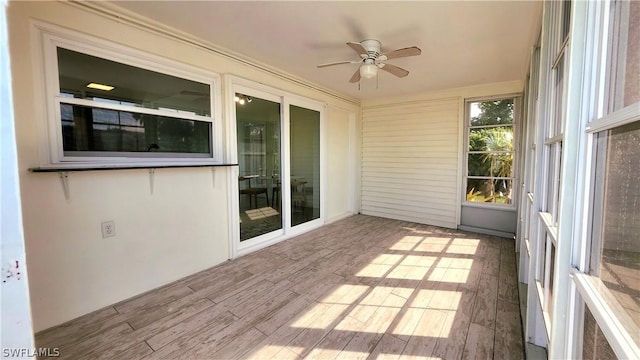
[(495, 206)]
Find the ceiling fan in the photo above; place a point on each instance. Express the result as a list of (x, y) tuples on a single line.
[(371, 59)]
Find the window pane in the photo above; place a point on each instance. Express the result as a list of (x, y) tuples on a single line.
[(478, 166), (594, 345), (552, 204), (552, 261), (489, 191), (619, 246), (624, 55), (259, 183), (545, 264), (131, 85), (492, 112), (491, 139), (558, 118), (566, 18), (89, 129), (490, 164), (305, 164)]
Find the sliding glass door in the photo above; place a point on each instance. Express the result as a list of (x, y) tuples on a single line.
[(304, 137), (279, 179), (258, 124)]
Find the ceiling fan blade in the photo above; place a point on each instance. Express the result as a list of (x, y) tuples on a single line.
[(357, 47), (397, 71), (356, 76), (339, 63), (410, 51)]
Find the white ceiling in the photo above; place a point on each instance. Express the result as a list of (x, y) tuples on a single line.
[(463, 43)]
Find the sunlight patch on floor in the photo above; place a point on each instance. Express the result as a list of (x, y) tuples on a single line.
[(461, 249), (408, 272), (436, 240), (345, 294), (377, 295), (321, 353), (448, 324), (309, 319), (387, 259), (418, 260), (437, 274), (445, 300), (460, 263), (408, 322), (406, 243), (274, 352), (459, 276), (374, 270), (422, 298), (349, 323), (466, 242), (426, 247), (431, 324)]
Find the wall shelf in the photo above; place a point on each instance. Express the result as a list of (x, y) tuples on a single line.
[(120, 167), (63, 172)]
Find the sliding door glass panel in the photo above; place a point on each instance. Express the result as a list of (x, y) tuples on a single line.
[(305, 164), (258, 129)]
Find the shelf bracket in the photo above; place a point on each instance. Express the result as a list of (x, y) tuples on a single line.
[(64, 179), (152, 175)]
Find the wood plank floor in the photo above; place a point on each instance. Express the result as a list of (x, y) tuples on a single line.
[(363, 287)]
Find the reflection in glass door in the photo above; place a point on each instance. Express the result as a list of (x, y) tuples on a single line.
[(259, 177), (304, 130)]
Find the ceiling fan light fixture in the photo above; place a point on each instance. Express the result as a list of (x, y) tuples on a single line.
[(368, 71)]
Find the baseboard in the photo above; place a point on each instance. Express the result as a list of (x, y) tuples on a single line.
[(503, 234), (534, 352), (339, 217)]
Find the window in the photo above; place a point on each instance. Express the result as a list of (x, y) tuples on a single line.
[(614, 249), (585, 234), (490, 170), (552, 158), (111, 105)]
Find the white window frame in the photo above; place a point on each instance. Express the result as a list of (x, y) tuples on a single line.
[(50, 37), (517, 104)]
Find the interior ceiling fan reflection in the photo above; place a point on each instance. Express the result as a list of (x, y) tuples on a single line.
[(371, 60)]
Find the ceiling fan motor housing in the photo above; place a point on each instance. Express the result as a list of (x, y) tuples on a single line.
[(373, 48)]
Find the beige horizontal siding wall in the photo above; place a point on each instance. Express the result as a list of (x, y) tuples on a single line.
[(410, 161)]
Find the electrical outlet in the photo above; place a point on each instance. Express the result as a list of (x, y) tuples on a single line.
[(108, 229)]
